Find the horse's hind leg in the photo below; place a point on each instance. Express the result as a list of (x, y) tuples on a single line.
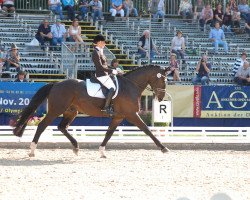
[(41, 127), (114, 123), (68, 117)]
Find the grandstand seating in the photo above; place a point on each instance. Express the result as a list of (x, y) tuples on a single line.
[(122, 40)]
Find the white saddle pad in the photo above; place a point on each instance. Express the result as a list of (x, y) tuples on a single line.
[(94, 89)]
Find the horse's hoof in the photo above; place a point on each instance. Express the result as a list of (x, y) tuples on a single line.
[(165, 150), (31, 155), (76, 150), (103, 156)]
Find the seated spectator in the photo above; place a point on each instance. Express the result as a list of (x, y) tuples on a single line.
[(239, 62), (1, 3), (2, 58), (227, 21), (244, 9), (75, 33), (242, 76), (21, 77), (116, 8), (218, 14), (247, 26), (58, 33), (145, 45), (232, 5), (44, 34), (129, 8), (236, 22), (178, 46), (203, 68), (160, 10), (69, 6), (198, 7), (206, 16), (185, 9), (96, 9), (12, 59), (115, 65), (217, 37), (8, 7), (174, 67), (83, 6), (56, 7)]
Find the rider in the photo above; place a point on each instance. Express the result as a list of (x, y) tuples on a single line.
[(103, 72)]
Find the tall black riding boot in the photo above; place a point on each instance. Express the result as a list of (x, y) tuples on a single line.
[(109, 96)]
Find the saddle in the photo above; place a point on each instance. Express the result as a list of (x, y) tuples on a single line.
[(96, 89)]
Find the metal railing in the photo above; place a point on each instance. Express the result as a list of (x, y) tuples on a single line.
[(171, 6), (68, 60)]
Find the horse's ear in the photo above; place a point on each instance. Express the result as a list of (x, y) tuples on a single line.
[(165, 69)]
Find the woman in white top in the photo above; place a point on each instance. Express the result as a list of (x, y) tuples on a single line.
[(75, 32), (178, 46)]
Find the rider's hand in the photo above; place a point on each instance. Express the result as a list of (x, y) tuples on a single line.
[(114, 71)]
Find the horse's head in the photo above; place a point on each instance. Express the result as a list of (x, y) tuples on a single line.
[(158, 82)]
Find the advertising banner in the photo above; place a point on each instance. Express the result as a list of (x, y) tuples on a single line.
[(14, 96), (225, 102)]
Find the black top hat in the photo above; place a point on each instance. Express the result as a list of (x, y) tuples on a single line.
[(98, 38), (21, 72), (13, 46)]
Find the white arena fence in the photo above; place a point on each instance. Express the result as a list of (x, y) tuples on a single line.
[(134, 135)]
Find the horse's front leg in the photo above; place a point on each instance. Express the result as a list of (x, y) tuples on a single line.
[(113, 125), (136, 120)]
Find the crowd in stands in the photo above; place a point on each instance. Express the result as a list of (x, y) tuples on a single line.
[(221, 24)]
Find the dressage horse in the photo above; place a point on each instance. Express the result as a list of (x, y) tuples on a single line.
[(70, 96)]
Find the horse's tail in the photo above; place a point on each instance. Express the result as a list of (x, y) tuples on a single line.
[(24, 116)]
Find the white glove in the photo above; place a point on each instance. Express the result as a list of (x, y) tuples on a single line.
[(114, 71)]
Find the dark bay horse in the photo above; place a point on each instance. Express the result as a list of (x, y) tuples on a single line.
[(69, 97)]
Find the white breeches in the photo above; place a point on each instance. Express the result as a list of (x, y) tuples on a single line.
[(114, 12), (107, 82)]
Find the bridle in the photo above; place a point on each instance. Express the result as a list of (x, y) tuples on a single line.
[(159, 75)]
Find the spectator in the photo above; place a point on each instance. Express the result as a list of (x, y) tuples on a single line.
[(58, 33), (160, 10), (69, 6), (115, 65), (232, 5), (178, 46), (8, 7), (218, 14), (2, 59), (75, 33), (96, 9), (1, 3), (12, 59), (56, 7), (174, 67), (242, 76), (236, 21), (116, 8), (185, 9), (21, 77), (145, 45), (244, 9), (83, 6), (206, 16), (198, 7), (129, 8), (239, 62), (217, 36), (203, 68), (247, 27), (227, 20), (44, 33)]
